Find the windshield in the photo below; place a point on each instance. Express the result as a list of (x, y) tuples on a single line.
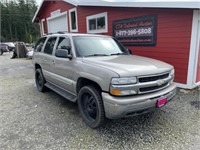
[(98, 46)]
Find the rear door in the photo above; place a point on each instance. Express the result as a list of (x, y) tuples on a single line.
[(47, 59), (38, 50)]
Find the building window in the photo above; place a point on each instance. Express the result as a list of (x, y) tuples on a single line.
[(43, 26), (97, 23), (73, 20)]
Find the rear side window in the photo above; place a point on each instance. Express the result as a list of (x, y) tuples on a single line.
[(63, 43), (39, 44), (50, 45)]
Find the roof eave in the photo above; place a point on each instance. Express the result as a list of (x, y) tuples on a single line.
[(186, 5), (40, 5), (177, 4)]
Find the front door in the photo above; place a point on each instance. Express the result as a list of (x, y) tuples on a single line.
[(63, 67)]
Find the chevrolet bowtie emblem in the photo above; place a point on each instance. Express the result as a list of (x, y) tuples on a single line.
[(160, 82)]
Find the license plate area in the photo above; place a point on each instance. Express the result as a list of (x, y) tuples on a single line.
[(161, 102)]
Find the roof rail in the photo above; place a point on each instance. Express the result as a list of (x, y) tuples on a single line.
[(59, 32), (62, 32)]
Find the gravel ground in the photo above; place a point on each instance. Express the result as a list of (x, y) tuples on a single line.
[(40, 121)]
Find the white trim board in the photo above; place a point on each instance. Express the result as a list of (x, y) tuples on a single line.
[(70, 21), (193, 51), (185, 86), (188, 4), (59, 15), (42, 27), (197, 46), (137, 3)]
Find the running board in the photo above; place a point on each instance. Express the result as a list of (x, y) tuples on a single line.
[(61, 92)]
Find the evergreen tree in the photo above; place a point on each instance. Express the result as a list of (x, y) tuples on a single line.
[(16, 21)]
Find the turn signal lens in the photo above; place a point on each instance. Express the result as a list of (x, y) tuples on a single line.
[(115, 92), (118, 92)]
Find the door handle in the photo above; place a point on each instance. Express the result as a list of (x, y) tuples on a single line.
[(53, 62), (44, 59)]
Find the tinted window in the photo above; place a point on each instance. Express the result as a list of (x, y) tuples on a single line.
[(39, 44), (50, 45), (63, 43)]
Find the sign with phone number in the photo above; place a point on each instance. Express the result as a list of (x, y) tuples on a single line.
[(140, 31)]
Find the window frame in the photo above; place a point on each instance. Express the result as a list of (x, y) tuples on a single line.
[(52, 53), (96, 16), (64, 37), (70, 20), (45, 39)]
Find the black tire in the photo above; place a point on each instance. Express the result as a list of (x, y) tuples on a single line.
[(39, 80), (91, 107)]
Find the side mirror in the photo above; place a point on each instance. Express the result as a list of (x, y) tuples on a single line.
[(63, 53)]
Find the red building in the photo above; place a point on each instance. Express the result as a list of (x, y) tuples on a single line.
[(168, 31)]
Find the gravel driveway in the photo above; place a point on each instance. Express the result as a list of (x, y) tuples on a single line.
[(30, 120)]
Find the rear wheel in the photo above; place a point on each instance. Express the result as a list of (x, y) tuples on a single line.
[(91, 107), (39, 80)]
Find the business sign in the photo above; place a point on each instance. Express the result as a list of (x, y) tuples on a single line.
[(140, 31)]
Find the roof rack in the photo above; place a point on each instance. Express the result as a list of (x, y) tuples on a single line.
[(59, 32), (62, 32)]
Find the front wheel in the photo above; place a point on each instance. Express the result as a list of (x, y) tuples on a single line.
[(39, 79), (91, 107)]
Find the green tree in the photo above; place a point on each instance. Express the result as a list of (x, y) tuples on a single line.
[(16, 20)]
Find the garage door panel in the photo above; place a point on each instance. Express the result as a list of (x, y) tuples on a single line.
[(58, 24)]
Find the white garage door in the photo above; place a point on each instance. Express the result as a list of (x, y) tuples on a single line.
[(57, 24)]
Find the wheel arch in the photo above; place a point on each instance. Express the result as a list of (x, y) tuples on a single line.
[(37, 66), (85, 82)]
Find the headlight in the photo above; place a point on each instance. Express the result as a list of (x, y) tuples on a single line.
[(172, 72), (123, 86), (129, 80)]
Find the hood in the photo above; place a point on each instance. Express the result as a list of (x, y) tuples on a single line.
[(129, 65)]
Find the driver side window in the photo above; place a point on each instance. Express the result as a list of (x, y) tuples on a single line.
[(64, 43)]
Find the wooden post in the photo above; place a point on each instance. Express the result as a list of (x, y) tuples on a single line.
[(17, 46)]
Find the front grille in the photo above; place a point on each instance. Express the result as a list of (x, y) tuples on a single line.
[(153, 78), (152, 88)]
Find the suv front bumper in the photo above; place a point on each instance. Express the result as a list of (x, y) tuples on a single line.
[(119, 107)]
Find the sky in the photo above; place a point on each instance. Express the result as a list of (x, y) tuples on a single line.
[(38, 1)]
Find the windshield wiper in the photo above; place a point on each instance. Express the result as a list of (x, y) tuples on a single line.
[(96, 55), (118, 54)]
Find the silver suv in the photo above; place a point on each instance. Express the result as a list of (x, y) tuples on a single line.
[(102, 76)]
